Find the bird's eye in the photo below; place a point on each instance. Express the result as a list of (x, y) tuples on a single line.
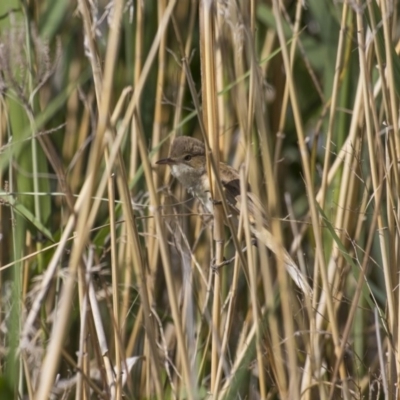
[(188, 157)]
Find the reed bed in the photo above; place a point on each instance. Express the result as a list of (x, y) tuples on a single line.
[(115, 283)]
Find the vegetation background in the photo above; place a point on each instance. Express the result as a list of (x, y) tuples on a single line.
[(109, 277)]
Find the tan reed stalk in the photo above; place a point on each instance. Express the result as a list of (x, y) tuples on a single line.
[(115, 289), (254, 97), (163, 249), (114, 264), (360, 283), (210, 115), (213, 164), (82, 361), (160, 113), (133, 237), (230, 313), (285, 100), (76, 167), (242, 353), (390, 173), (273, 210), (218, 140), (321, 303), (141, 274), (189, 383), (314, 337), (385, 68), (389, 283), (223, 142), (71, 125), (99, 331), (309, 186), (188, 260), (152, 242), (186, 53), (253, 287), (138, 57), (52, 356), (393, 97), (124, 255)]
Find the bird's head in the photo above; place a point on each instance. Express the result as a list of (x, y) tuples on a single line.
[(187, 159)]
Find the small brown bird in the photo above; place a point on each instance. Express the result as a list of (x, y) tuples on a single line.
[(187, 160)]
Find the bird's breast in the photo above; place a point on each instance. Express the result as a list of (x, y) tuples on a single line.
[(196, 183), (204, 197)]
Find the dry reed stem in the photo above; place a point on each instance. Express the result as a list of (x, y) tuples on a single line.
[(115, 288), (309, 187), (333, 104), (188, 380), (285, 100), (253, 284), (370, 118), (158, 119), (315, 353), (210, 115)]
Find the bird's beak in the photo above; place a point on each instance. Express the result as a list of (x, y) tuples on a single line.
[(167, 161)]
